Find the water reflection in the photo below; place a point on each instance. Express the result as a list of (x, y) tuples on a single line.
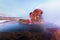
[(14, 26)]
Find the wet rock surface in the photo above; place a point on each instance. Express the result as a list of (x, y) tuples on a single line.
[(26, 36)]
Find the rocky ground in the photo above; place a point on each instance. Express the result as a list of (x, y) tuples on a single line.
[(26, 36)]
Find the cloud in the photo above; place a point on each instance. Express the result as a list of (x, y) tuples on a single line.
[(51, 11)]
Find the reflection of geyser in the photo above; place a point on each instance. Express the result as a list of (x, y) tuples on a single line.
[(26, 27)]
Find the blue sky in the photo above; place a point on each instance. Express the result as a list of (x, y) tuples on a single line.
[(22, 8), (18, 8)]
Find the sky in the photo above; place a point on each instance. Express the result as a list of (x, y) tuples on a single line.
[(18, 8), (22, 8)]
